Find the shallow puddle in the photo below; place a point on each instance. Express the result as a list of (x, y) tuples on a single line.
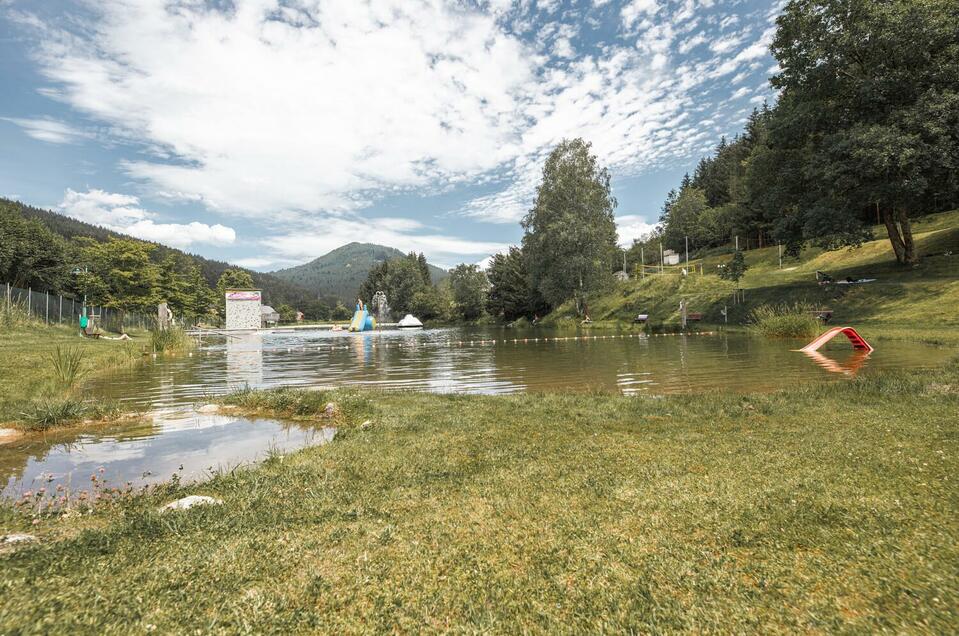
[(187, 445)]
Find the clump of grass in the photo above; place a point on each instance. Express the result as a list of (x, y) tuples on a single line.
[(14, 315), (47, 414), (797, 320), (67, 363), (172, 338), (299, 403)]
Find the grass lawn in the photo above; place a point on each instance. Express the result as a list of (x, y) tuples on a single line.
[(27, 368), (916, 303), (820, 509)]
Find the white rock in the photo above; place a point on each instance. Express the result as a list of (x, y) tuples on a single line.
[(208, 408), (9, 434), (330, 410), (368, 424), (18, 538), (188, 502)]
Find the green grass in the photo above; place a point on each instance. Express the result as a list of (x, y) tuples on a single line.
[(35, 375), (42, 415), (913, 303), (821, 509)]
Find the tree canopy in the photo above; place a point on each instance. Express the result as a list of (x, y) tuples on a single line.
[(570, 232)]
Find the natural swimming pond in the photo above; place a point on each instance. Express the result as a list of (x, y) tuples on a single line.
[(469, 360), (496, 360)]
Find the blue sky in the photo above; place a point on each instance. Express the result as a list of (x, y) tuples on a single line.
[(268, 132)]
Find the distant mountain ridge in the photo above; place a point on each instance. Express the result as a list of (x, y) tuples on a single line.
[(341, 272)]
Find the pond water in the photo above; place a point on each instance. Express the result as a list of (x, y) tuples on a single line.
[(497, 360), (468, 360)]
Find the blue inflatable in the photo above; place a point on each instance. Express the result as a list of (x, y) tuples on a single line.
[(362, 321)]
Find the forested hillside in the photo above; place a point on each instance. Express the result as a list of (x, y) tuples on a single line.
[(275, 290), (51, 252), (340, 273)]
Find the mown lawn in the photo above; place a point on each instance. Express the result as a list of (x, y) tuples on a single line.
[(821, 509)]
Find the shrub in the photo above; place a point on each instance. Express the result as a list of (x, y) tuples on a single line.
[(784, 321)]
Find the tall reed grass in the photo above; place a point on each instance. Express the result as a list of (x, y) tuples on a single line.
[(172, 338), (14, 315), (796, 320), (67, 362)]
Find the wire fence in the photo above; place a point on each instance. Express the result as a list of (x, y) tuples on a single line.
[(61, 309)]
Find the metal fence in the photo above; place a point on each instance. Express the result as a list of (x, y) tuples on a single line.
[(60, 309)]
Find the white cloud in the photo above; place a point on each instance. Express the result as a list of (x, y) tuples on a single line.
[(631, 227), (636, 9), (253, 262), (259, 113), (305, 112), (121, 213), (48, 130)]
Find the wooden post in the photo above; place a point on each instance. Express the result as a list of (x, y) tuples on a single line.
[(661, 258), (29, 301)]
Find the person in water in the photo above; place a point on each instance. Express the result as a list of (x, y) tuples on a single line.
[(359, 304)]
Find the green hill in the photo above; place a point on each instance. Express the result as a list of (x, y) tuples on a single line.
[(900, 298), (341, 272), (275, 290)]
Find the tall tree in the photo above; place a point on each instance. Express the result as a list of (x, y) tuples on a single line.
[(123, 274), (199, 300), (510, 294), (869, 90), (30, 254), (468, 285), (570, 232)]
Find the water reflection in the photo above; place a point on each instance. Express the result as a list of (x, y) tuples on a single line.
[(850, 366), (187, 444), (492, 360)]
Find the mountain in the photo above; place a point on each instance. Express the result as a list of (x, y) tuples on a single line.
[(341, 272), (275, 290)]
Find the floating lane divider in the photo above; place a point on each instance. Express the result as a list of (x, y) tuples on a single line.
[(351, 345)]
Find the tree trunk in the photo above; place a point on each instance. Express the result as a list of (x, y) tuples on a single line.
[(900, 235)]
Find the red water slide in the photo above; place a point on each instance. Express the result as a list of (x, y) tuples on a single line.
[(858, 342)]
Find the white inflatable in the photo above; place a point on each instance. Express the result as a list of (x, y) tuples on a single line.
[(409, 322)]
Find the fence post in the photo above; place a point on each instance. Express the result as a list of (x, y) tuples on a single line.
[(29, 301), (8, 297), (60, 316), (46, 310)]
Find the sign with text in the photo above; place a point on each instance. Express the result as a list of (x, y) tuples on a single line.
[(243, 295)]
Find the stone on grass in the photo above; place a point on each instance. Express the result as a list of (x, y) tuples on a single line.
[(330, 410), (367, 425), (189, 502), (18, 537), (208, 408)]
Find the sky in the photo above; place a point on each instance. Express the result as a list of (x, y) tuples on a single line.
[(269, 132)]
